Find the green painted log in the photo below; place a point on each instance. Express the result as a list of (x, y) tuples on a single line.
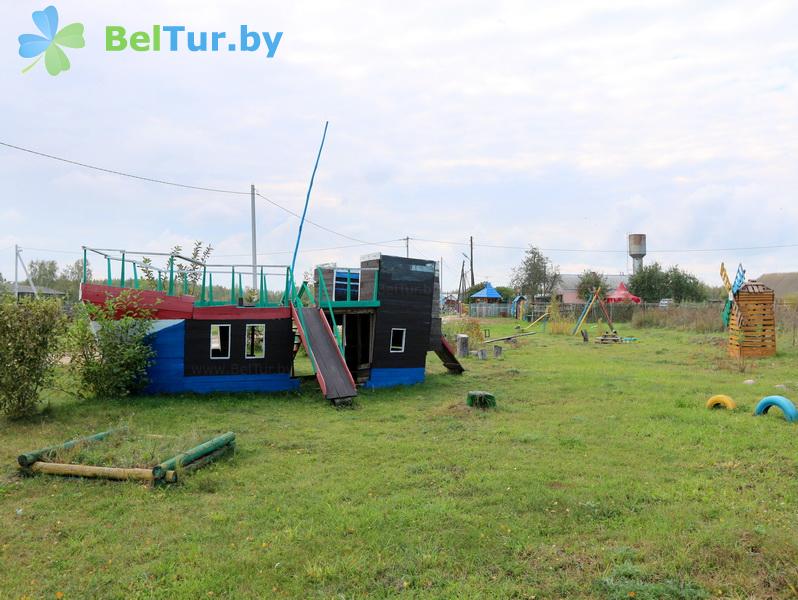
[(28, 458), (189, 456), (174, 476)]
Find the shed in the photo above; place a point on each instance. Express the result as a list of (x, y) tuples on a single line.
[(487, 294)]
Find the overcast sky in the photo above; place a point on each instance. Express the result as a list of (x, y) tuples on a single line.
[(565, 125)]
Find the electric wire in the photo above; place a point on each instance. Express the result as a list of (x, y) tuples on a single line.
[(354, 239), (123, 173)]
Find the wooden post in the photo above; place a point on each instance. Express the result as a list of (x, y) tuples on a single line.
[(462, 345)]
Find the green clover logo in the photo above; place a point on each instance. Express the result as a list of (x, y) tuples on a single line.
[(55, 60)]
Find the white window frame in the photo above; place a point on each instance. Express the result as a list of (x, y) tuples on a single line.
[(229, 333), (246, 340), (404, 339)]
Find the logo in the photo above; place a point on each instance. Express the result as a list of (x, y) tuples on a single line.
[(50, 42)]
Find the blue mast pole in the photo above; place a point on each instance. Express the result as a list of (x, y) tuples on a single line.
[(305, 210)]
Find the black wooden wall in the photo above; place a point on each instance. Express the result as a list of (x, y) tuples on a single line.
[(406, 288), (279, 342)]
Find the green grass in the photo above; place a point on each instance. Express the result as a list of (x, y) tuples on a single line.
[(600, 474)]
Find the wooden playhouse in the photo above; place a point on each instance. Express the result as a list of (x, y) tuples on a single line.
[(752, 322), (370, 326)]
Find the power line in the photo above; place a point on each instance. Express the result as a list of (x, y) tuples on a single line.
[(385, 244), (176, 184), (591, 251), (122, 173), (298, 216)]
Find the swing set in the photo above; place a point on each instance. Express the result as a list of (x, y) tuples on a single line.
[(593, 301)]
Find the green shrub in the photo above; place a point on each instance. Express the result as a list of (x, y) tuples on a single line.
[(700, 318), (558, 323), (108, 347), (467, 325), (29, 335)]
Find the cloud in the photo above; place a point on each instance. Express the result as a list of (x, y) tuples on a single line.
[(562, 125)]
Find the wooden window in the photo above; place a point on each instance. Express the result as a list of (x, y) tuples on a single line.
[(398, 340), (255, 341), (220, 341), (347, 286)]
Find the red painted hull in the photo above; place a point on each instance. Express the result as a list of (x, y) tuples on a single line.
[(163, 306)]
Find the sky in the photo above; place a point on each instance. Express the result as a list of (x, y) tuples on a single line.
[(562, 125)]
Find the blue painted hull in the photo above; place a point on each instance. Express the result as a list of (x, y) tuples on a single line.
[(385, 378), (167, 373)]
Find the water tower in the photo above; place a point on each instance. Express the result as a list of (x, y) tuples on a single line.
[(637, 250)]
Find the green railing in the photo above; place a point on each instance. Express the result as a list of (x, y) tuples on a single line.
[(329, 307), (296, 302), (373, 302)]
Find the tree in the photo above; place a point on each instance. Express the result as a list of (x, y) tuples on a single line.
[(589, 282), (685, 287), (74, 272), (43, 272), (653, 284), (535, 275), (650, 283), (508, 293)]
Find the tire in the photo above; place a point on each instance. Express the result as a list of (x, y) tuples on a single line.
[(721, 401), (787, 407)]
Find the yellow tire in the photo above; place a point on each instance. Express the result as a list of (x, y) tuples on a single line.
[(721, 401)]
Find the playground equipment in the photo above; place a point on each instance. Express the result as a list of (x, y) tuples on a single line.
[(167, 471), (750, 316), (786, 406), (595, 299), (721, 401)]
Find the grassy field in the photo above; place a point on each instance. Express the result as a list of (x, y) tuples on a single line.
[(599, 475)]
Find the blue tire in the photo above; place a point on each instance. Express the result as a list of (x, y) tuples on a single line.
[(787, 407)]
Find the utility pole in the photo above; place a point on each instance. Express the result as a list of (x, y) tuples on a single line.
[(254, 244), (16, 272), (407, 247), (472, 260), (19, 262)]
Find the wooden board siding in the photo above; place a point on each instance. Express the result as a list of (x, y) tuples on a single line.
[(247, 313), (279, 342), (752, 326), (405, 292), (167, 373), (162, 305)]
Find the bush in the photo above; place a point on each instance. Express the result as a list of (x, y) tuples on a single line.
[(471, 327), (29, 334), (700, 318), (108, 346), (558, 324)]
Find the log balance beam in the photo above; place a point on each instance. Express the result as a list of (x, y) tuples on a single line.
[(168, 471)]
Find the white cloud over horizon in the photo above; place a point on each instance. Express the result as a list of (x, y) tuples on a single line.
[(565, 126)]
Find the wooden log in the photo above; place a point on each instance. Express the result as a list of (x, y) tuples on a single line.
[(174, 476), (92, 471), (189, 456), (28, 458)]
